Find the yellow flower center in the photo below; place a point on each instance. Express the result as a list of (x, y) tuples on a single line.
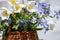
[(30, 6), (17, 7), (5, 13), (12, 2)]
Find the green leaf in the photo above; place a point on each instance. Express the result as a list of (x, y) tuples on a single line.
[(38, 28), (51, 16), (43, 16), (0, 27), (34, 13), (0, 18), (27, 17), (13, 18), (15, 27)]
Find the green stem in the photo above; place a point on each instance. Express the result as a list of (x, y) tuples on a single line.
[(38, 28)]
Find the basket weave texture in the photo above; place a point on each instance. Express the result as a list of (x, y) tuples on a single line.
[(24, 35)]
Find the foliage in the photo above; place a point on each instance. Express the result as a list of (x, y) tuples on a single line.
[(24, 21)]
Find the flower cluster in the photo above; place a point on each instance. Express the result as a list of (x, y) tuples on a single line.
[(44, 23), (25, 20), (42, 8)]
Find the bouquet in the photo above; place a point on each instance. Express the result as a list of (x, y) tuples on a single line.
[(25, 20)]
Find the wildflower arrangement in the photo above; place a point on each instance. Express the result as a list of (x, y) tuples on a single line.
[(25, 20)]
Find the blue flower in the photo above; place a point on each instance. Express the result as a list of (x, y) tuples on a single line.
[(43, 22), (40, 7), (47, 12), (46, 26), (43, 5), (20, 23), (23, 20), (39, 22), (57, 15), (8, 20), (29, 22)]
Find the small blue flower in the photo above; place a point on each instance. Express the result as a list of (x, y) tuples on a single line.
[(23, 20), (8, 20), (57, 15), (29, 22), (47, 12), (46, 26), (43, 22), (39, 22), (20, 23), (40, 7), (43, 5)]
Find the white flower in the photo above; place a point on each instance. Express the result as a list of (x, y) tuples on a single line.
[(4, 13)]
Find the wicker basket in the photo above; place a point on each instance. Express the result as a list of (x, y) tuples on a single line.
[(24, 35)]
